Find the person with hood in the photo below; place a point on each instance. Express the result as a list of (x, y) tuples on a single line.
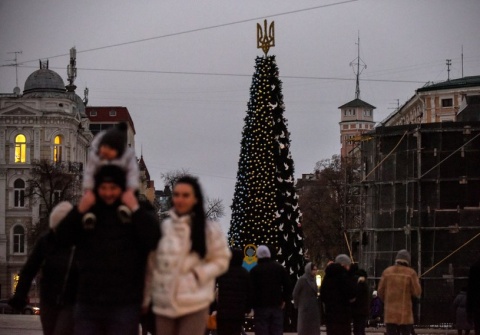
[(305, 299), (58, 282), (271, 290), (234, 296), (110, 147), (473, 295), (191, 254), (376, 310), (398, 285), (337, 294), (111, 256), (361, 305), (462, 323)]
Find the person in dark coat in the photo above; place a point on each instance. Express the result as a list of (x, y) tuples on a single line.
[(234, 296), (58, 281), (271, 290), (473, 295), (337, 294), (462, 323), (111, 257), (361, 305), (376, 310), (305, 299)]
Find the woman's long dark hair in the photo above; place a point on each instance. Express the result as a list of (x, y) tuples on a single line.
[(198, 216)]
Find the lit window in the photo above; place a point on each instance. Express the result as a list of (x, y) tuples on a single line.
[(20, 148), (18, 240), (113, 113), (57, 149), (19, 193)]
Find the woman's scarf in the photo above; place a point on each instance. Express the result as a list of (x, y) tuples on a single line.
[(310, 279)]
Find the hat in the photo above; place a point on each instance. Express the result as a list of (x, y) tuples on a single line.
[(116, 138), (403, 256), (263, 252), (343, 259), (110, 174), (59, 212)]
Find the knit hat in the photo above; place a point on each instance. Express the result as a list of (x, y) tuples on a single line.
[(374, 294), (110, 174), (263, 252), (59, 212), (343, 259), (116, 138), (403, 256)]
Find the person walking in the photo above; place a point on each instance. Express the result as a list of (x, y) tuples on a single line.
[(234, 296), (305, 299), (473, 295), (182, 271), (462, 323), (337, 294), (111, 256), (361, 305), (58, 282), (272, 289), (398, 285)]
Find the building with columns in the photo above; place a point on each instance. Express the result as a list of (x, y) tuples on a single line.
[(45, 122)]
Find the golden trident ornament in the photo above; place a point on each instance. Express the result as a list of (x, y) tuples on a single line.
[(265, 38)]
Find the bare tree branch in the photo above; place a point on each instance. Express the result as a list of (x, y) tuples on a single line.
[(215, 209)]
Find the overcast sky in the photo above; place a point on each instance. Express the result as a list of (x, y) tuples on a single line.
[(194, 121)]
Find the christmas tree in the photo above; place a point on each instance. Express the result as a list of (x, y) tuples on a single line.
[(265, 205)]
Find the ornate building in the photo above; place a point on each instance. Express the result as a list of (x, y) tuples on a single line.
[(46, 122)]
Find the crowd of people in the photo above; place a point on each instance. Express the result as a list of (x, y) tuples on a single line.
[(108, 265)]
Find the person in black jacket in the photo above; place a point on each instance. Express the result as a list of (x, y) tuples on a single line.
[(111, 257), (361, 305), (272, 289), (473, 295), (234, 296), (337, 294), (58, 281)]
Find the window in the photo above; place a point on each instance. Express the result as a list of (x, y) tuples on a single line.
[(93, 113), (113, 113), (18, 240), (20, 148), (19, 193), (57, 149), (447, 102), (367, 112), (57, 196)]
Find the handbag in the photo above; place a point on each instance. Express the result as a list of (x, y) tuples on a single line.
[(212, 322)]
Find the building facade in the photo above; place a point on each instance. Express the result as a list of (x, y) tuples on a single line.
[(46, 122)]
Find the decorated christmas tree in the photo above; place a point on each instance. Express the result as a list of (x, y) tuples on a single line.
[(265, 205)]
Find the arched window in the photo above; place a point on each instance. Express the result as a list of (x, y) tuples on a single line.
[(57, 149), (18, 240), (20, 148), (19, 193)]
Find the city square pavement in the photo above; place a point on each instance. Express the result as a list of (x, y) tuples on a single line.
[(30, 325)]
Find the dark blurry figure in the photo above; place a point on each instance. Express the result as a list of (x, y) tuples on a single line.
[(272, 289), (398, 285), (234, 296), (58, 280), (361, 305), (376, 310), (305, 299), (473, 296), (338, 293), (462, 323)]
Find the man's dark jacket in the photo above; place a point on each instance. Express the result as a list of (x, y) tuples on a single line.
[(111, 258), (271, 285), (58, 280), (234, 290), (337, 293), (473, 292)]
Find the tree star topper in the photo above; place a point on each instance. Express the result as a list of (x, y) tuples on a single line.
[(265, 37)]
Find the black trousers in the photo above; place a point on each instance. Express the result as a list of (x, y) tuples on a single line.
[(338, 329), (229, 327), (56, 320)]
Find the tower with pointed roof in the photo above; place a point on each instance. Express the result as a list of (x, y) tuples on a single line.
[(356, 115)]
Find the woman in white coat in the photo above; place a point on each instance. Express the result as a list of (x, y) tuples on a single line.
[(192, 252)]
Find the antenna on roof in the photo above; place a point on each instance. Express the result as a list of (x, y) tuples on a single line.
[(72, 70), (16, 53), (358, 66), (449, 63), (462, 60)]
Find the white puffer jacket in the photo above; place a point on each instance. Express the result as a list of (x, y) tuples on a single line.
[(172, 272)]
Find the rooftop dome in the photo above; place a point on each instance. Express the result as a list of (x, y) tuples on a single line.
[(44, 80)]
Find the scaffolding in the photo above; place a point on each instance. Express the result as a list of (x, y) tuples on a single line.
[(420, 191)]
